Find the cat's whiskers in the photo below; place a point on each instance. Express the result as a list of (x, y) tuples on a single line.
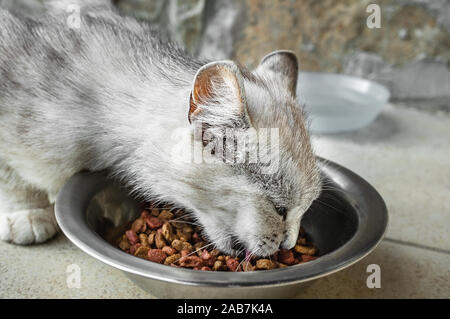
[(203, 247), (329, 205), (247, 258), (183, 222)]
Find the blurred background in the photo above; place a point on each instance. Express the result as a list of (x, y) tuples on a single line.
[(410, 53)]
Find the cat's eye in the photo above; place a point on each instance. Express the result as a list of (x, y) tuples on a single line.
[(282, 211)]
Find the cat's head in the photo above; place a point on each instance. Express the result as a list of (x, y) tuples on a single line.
[(259, 174)]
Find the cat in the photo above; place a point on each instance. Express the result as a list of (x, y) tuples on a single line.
[(110, 94)]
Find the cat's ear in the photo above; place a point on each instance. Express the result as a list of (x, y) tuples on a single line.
[(284, 64), (218, 96)]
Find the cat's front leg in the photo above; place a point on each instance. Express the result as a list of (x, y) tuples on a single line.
[(30, 226)]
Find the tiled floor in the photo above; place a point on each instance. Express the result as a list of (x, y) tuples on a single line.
[(405, 154), (406, 272)]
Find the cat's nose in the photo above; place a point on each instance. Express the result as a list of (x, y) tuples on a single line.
[(288, 242)]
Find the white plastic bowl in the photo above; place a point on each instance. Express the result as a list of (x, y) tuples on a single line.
[(337, 103)]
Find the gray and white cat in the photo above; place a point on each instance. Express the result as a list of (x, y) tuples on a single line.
[(110, 94)]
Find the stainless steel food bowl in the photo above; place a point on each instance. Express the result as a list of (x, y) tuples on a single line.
[(346, 224)]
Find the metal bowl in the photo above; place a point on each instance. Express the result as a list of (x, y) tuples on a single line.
[(338, 102), (346, 224)]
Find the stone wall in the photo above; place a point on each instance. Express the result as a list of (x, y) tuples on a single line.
[(410, 53)]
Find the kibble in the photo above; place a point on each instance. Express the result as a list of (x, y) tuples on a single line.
[(172, 259), (265, 264), (305, 250), (159, 240), (286, 256), (169, 250), (165, 215), (167, 231), (142, 251), (164, 237), (143, 239), (153, 222), (156, 255), (233, 264)]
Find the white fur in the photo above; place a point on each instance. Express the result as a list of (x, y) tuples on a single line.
[(136, 96)]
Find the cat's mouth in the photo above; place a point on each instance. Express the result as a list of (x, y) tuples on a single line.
[(238, 249), (236, 245), (231, 245)]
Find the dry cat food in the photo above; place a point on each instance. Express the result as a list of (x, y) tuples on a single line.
[(169, 238)]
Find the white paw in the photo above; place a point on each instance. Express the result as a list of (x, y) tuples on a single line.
[(27, 227)]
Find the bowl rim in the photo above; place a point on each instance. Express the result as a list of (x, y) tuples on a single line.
[(383, 93), (312, 86), (70, 211)]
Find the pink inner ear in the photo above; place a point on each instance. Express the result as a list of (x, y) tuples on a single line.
[(203, 84), (203, 90), (201, 93), (192, 108)]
